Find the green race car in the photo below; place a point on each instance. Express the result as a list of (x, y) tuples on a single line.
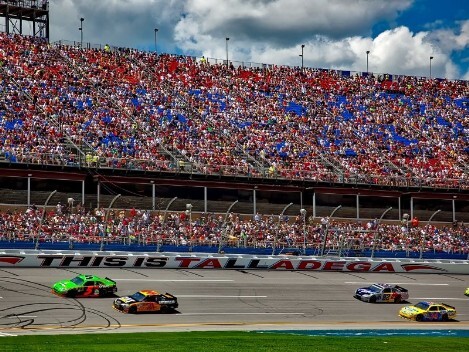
[(467, 292), (85, 286)]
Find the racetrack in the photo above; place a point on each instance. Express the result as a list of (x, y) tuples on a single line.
[(221, 300)]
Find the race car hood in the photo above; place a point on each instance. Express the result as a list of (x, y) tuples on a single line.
[(126, 299), (411, 310), (364, 291), (64, 286)]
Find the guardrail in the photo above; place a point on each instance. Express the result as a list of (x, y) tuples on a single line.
[(164, 260), (74, 161), (189, 249)]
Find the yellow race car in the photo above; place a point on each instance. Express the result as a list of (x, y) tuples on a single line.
[(428, 311), (146, 301), (467, 292)]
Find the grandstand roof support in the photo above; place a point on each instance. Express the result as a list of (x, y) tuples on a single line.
[(18, 13)]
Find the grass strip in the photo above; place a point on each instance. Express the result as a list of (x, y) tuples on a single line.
[(209, 341)]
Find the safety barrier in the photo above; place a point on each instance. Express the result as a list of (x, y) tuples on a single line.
[(163, 260)]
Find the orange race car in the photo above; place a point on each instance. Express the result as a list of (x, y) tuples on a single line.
[(146, 301)]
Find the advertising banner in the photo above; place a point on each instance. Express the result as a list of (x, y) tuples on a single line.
[(241, 262)]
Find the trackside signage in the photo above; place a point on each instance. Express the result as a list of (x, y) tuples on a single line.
[(205, 261)]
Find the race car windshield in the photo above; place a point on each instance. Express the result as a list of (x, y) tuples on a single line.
[(138, 297), (77, 281), (374, 288), (422, 305)]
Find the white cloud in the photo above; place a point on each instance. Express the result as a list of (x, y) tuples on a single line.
[(284, 21), (448, 40), (336, 33)]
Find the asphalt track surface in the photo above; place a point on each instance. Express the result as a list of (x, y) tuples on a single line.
[(222, 300)]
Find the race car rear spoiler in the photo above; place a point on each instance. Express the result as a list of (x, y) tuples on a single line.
[(110, 280), (402, 289)]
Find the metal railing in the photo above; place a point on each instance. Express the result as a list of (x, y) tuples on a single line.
[(184, 167)]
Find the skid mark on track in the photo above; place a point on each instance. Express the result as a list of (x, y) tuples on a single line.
[(355, 275), (188, 273), (46, 309), (249, 273), (71, 271), (406, 276), (135, 272), (306, 274), (9, 272), (453, 277)]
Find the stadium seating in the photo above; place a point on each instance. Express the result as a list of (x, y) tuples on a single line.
[(137, 228), (129, 109), (132, 109)]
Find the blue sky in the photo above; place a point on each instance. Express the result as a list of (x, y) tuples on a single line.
[(426, 15), (401, 35)]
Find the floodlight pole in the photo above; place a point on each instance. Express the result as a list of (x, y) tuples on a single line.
[(166, 209), (431, 58), (105, 220), (422, 239), (42, 218), (223, 234), (367, 53), (302, 56), (278, 229), (227, 63), (377, 230), (156, 48), (303, 214), (323, 247), (81, 32)]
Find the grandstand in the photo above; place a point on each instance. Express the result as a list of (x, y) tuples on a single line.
[(95, 122)]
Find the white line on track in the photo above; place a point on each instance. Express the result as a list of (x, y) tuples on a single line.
[(285, 313), (395, 283), (171, 280), (3, 334), (208, 296)]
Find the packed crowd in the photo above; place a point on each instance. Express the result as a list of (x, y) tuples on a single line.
[(133, 109), (133, 226)]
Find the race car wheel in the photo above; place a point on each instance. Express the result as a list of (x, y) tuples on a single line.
[(133, 310), (419, 317), (398, 299), (71, 293), (373, 299), (444, 317), (103, 292)]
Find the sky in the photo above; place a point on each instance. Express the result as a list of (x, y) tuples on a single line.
[(400, 35)]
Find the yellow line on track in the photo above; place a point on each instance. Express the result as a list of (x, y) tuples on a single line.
[(306, 326)]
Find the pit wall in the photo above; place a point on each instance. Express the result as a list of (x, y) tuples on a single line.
[(75, 259)]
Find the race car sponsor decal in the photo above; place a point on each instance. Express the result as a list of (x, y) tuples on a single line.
[(168, 301), (11, 259), (412, 267), (127, 299)]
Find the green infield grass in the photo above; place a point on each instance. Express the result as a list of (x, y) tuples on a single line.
[(226, 341)]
